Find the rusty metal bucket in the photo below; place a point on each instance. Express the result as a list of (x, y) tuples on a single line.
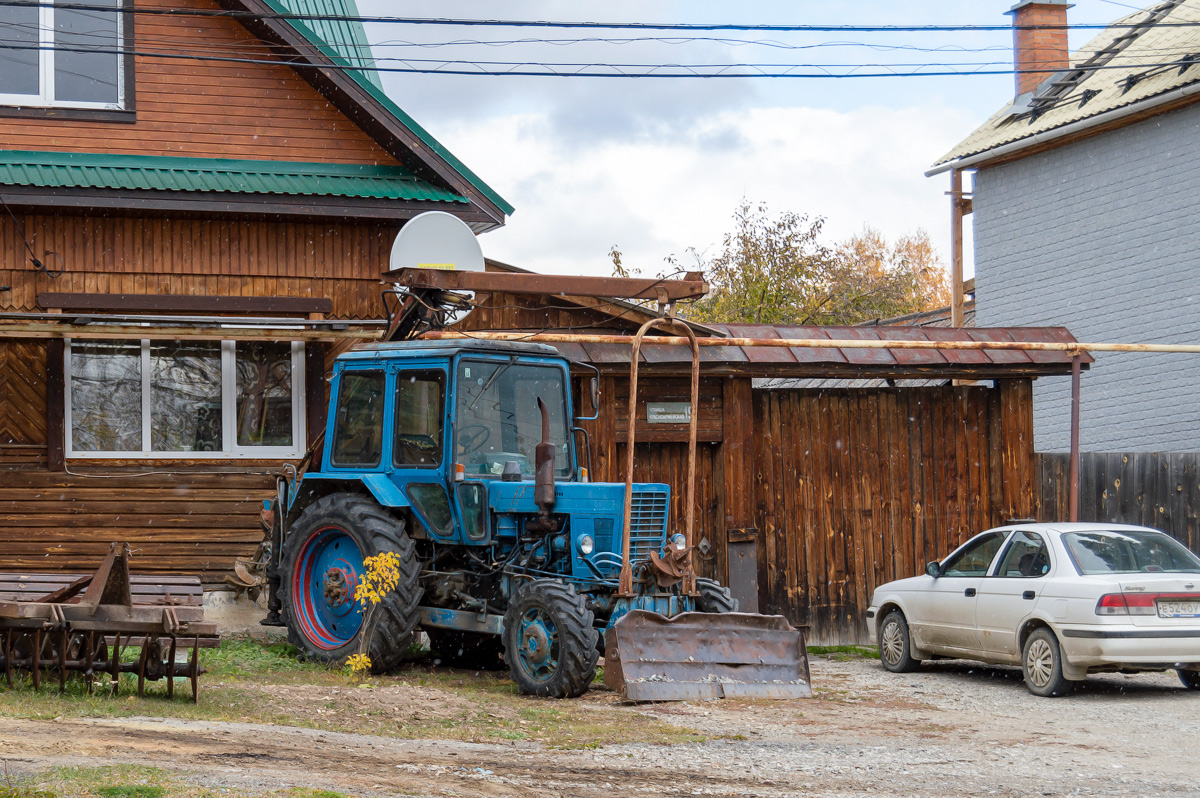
[(697, 656)]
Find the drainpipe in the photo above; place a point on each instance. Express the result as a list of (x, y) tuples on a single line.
[(1074, 479)]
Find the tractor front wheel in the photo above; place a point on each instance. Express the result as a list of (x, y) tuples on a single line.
[(714, 597), (322, 565), (549, 642)]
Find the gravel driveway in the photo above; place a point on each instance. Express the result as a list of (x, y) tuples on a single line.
[(951, 729)]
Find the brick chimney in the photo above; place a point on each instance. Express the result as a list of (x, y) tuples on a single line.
[(1038, 54)]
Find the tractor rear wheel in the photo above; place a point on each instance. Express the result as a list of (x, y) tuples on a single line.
[(714, 597), (321, 566), (549, 641), (468, 650)]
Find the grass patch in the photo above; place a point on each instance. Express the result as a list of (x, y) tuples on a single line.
[(843, 653), (254, 682)]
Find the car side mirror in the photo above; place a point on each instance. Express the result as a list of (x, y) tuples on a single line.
[(595, 391), (934, 569)]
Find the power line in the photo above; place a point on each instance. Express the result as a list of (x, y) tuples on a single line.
[(515, 23), (614, 70)]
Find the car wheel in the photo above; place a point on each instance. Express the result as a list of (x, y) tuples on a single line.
[(1190, 679), (895, 650), (1041, 661)]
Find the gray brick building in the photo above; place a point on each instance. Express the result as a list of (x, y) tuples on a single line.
[(1085, 214)]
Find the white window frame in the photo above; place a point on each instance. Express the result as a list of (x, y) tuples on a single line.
[(229, 445), (45, 96)]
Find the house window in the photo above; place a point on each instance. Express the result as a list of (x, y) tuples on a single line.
[(63, 57), (192, 399)]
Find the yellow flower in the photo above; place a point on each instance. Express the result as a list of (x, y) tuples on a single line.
[(358, 663)]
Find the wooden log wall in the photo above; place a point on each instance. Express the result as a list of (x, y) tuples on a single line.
[(858, 487), (176, 519), (1158, 490), (198, 257)]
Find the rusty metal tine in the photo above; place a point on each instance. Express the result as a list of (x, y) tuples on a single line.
[(62, 661), (37, 659), (142, 667), (115, 663), (89, 675), (171, 670), (195, 669)]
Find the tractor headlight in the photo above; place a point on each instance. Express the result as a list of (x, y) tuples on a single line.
[(586, 545), (678, 541)]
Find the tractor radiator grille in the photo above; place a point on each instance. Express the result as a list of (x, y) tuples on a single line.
[(647, 524)]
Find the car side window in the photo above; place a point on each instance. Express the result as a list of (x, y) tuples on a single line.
[(1026, 556), (975, 557)]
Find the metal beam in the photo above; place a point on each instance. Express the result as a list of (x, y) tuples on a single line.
[(136, 332), (664, 291)]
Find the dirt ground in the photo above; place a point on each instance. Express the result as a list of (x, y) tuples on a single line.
[(951, 729)]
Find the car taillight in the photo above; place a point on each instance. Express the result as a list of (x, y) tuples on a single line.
[(1127, 604)]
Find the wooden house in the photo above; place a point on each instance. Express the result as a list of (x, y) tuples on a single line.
[(185, 160), (187, 240)]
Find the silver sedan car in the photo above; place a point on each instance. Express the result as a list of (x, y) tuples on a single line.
[(1060, 600)]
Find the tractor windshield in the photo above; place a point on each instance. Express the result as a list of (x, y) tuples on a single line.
[(497, 418)]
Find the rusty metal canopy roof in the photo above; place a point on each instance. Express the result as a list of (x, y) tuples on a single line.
[(891, 363)]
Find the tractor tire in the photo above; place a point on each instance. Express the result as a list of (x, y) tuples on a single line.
[(321, 561), (714, 597), (549, 642), (467, 650)]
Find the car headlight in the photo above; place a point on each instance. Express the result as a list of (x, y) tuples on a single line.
[(678, 541), (586, 545)]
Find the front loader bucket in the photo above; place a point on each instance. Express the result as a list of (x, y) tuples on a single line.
[(698, 656)]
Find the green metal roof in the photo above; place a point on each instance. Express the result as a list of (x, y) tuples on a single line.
[(167, 173), (345, 37), (343, 55)]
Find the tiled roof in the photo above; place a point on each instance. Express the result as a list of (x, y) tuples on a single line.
[(165, 173), (1154, 59)]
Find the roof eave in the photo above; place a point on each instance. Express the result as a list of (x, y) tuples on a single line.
[(369, 107), (1117, 117)]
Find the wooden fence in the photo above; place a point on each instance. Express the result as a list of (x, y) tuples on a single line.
[(1159, 490)]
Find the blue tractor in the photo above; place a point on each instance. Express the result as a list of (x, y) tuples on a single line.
[(460, 456)]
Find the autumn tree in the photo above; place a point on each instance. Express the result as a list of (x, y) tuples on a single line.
[(777, 270)]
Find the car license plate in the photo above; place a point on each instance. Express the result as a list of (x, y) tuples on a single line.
[(1179, 609)]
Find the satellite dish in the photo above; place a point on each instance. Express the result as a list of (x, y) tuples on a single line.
[(436, 240)]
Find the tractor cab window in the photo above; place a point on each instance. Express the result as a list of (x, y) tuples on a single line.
[(498, 420), (419, 400), (358, 422)]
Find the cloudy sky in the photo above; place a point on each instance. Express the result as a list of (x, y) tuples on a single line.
[(655, 166)]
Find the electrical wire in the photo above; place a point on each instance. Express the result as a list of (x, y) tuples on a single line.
[(38, 265), (519, 23), (612, 70)]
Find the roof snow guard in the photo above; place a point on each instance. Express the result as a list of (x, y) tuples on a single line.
[(835, 362), (1137, 64)]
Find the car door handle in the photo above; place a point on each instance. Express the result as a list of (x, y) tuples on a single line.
[(969, 592), (1029, 594)]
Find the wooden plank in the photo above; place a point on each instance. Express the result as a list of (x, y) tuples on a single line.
[(167, 303)]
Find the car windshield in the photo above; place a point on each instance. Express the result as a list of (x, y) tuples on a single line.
[(498, 420), (1129, 552)]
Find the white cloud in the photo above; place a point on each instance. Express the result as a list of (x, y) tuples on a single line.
[(655, 198)]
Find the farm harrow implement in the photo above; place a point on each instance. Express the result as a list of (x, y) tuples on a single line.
[(99, 626)]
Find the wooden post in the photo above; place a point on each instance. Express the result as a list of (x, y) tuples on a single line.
[(956, 248), (56, 411), (1074, 478)]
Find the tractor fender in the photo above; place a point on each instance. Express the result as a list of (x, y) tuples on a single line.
[(314, 486), (384, 490)]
